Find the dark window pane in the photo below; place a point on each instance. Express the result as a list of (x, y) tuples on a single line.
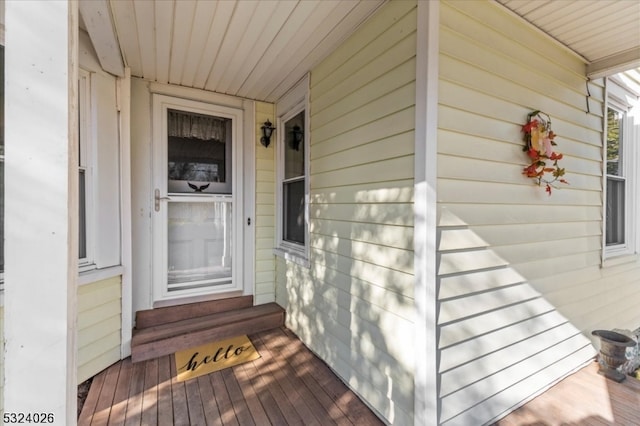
[(82, 231), (294, 225), (294, 147), (199, 150), (615, 211)]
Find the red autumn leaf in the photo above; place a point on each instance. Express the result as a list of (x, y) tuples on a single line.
[(548, 189), (533, 154), (529, 126), (531, 171), (556, 156)]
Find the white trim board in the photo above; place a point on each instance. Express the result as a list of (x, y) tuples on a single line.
[(426, 388)]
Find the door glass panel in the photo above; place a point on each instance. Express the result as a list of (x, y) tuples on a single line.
[(199, 153), (199, 244)]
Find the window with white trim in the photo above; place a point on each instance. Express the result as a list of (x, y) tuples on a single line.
[(293, 182), (85, 172), (621, 198)]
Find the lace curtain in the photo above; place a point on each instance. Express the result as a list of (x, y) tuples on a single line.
[(191, 125)]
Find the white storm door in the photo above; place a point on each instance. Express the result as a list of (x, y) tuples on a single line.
[(197, 244)]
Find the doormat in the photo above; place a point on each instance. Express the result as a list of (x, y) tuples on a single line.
[(205, 359)]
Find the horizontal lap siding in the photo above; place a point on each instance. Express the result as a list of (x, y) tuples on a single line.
[(99, 326), (354, 304), (265, 210), (515, 302)]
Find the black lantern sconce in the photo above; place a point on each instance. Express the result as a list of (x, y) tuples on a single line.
[(267, 131), (297, 136)]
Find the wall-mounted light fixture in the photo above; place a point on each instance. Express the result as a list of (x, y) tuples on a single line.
[(297, 136), (267, 131)]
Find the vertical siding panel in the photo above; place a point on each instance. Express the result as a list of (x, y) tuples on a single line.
[(99, 326), (265, 209), (354, 304)]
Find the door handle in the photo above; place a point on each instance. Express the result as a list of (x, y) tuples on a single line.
[(158, 198)]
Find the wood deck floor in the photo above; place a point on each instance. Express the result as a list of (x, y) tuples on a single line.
[(584, 398), (288, 385)]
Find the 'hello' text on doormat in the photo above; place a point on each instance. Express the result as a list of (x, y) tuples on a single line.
[(205, 359)]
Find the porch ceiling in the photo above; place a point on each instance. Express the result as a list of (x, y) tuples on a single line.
[(252, 49), (259, 49), (604, 32)]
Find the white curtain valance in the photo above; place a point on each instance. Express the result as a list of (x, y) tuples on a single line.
[(190, 125)]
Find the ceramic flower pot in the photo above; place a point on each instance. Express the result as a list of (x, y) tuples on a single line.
[(612, 353)]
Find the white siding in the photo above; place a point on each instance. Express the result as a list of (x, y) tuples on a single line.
[(354, 305), (520, 278), (99, 321), (265, 209)]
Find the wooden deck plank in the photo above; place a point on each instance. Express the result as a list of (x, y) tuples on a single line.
[(105, 401), (277, 342), (211, 412), (150, 395), (178, 397), (238, 402), (121, 394), (277, 389), (268, 402), (584, 397), (268, 381), (194, 403), (136, 388), (165, 405), (276, 367), (304, 360), (227, 414), (253, 402), (90, 403)]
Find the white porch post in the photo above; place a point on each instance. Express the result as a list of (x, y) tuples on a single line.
[(41, 208), (426, 379)]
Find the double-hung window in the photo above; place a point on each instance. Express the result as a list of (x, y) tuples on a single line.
[(85, 172), (621, 198), (616, 179), (293, 179)]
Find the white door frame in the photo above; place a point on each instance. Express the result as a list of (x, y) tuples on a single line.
[(240, 284)]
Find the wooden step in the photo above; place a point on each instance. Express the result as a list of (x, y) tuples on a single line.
[(158, 316), (165, 339)]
